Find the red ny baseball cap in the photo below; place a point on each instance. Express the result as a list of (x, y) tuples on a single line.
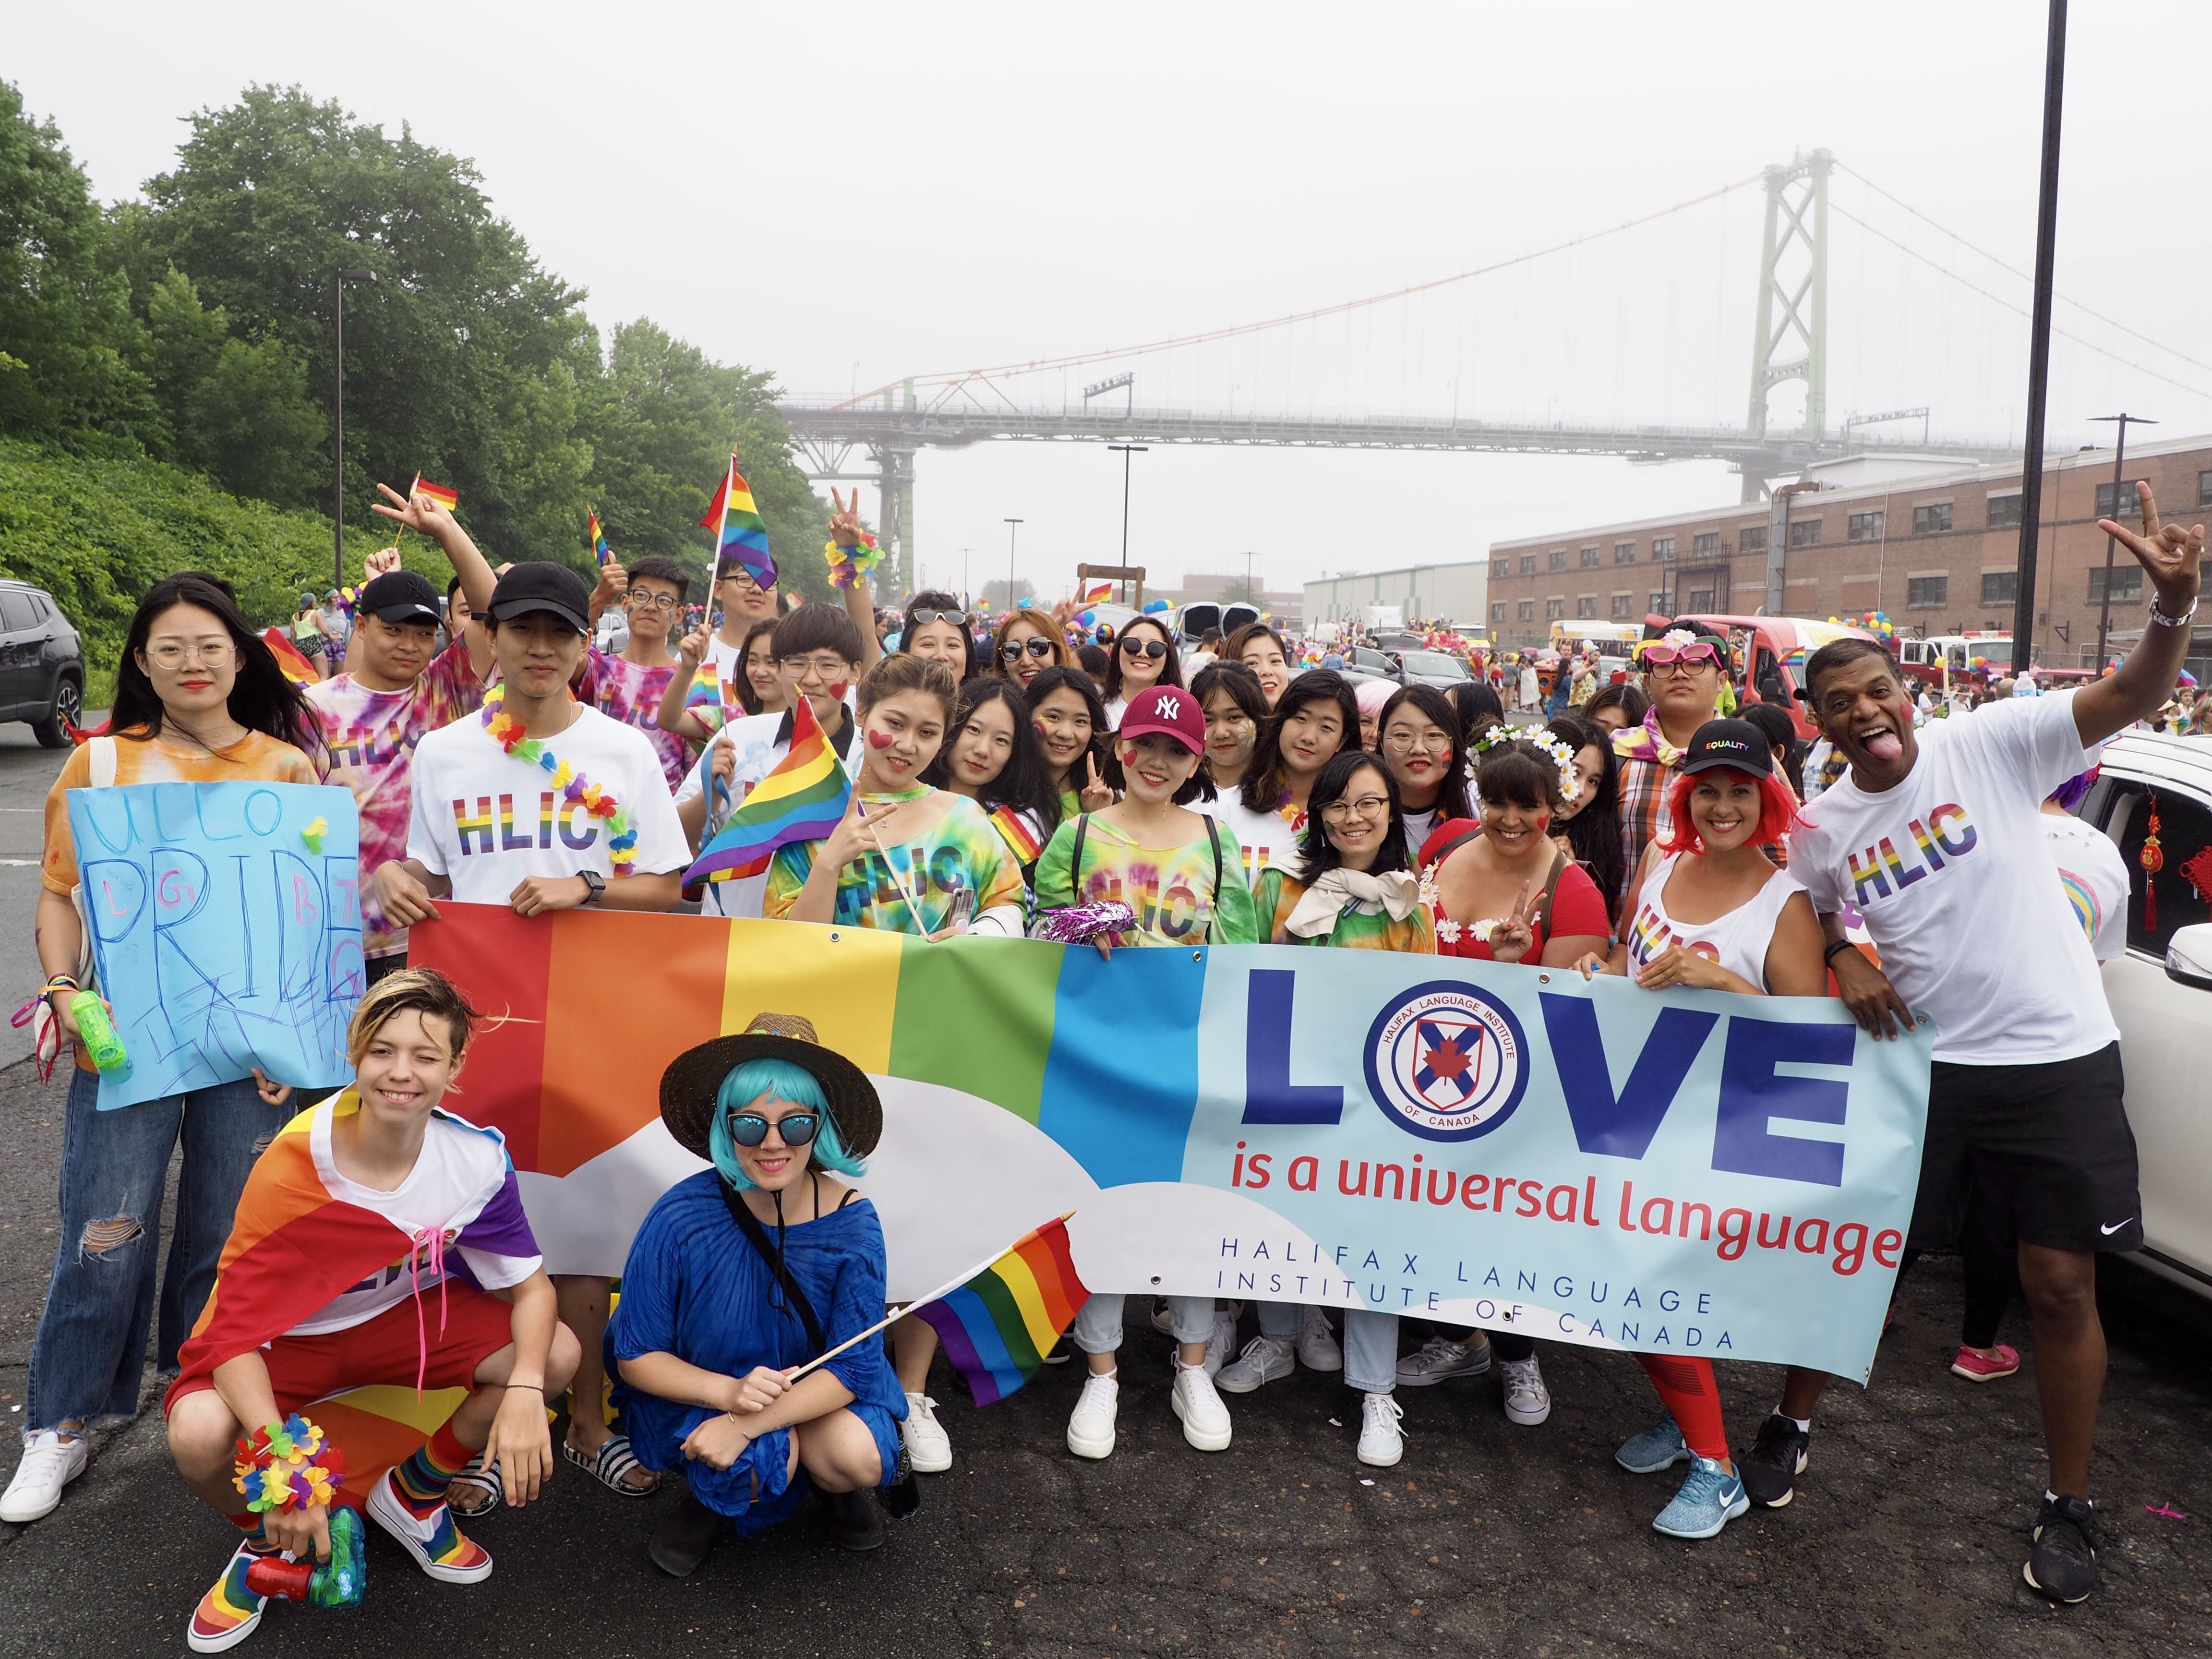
[(1168, 709)]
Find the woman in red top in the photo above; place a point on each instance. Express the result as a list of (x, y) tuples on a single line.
[(1503, 890)]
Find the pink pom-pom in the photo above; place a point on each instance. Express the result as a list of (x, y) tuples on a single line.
[(1080, 924)]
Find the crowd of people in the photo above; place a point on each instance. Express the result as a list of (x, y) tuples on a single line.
[(1005, 775)]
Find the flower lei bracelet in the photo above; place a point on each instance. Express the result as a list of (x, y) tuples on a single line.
[(600, 803), (288, 1465), (848, 564)]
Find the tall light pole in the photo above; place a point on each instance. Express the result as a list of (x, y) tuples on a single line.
[(1127, 450), (338, 419), (963, 578), (2120, 477), (2038, 340), (1249, 595), (1011, 525)]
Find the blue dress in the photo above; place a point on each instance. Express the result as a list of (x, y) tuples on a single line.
[(696, 1288)]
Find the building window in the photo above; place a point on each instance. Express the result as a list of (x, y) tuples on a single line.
[(2002, 587), (1659, 604), (1497, 611), (1751, 539), (1559, 561), (1706, 543), (1528, 612), (1586, 607), (2204, 489), (1623, 605), (1624, 552), (1805, 532), (2127, 582), (1932, 519), (1927, 593), (1555, 609), (2005, 510), (1589, 558), (2130, 505), (1862, 527), (1663, 549), (1500, 568), (1701, 598), (1528, 564)]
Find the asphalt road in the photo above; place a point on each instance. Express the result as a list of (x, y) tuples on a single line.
[(1906, 1537)]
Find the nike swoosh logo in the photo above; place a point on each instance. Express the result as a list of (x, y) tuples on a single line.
[(2115, 1227)]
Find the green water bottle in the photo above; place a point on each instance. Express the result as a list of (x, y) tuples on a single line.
[(97, 1032), (339, 1582)]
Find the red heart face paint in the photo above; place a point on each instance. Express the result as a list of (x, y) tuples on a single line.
[(835, 689), (880, 740)]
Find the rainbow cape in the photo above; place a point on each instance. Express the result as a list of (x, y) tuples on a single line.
[(297, 669), (998, 1327), (600, 551), (1014, 829), (739, 532), (802, 798)]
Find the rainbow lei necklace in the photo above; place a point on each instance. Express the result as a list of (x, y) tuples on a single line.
[(507, 731)]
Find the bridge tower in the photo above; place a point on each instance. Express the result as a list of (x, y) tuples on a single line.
[(1792, 281)]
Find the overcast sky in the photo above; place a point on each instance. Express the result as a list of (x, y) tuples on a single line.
[(850, 195)]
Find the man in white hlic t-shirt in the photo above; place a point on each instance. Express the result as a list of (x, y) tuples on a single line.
[(1937, 837), (491, 825)]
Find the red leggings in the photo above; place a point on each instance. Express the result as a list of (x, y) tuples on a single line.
[(1691, 1394)]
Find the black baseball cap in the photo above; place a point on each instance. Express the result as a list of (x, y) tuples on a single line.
[(1736, 744), (537, 585), (399, 597)]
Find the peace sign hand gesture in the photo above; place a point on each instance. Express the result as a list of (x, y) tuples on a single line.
[(2169, 555), (1095, 796), (845, 518), (1515, 936), (423, 513)]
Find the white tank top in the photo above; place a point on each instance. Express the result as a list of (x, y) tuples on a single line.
[(1737, 940)]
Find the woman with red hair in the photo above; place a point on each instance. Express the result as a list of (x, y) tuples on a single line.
[(1708, 910)]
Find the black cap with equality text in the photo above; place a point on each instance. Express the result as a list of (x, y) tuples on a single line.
[(1736, 744)]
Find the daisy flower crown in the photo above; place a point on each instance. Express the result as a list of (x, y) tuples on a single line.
[(1561, 755)]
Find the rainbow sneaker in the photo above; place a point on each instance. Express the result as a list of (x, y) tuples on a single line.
[(433, 1540), (228, 1611)]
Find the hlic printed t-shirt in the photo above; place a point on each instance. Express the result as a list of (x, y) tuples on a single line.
[(1357, 927), (461, 1196), (1171, 889), (1262, 838), (1954, 875), (631, 692), (962, 853), (371, 736), (488, 819)]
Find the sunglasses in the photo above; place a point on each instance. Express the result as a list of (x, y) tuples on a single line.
[(1012, 649), (958, 618), (1689, 656), (751, 1128), (1152, 648)]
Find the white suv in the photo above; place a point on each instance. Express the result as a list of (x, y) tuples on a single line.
[(2161, 988)]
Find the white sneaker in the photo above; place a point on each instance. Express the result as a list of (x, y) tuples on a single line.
[(1528, 1402), (1205, 1418), (1317, 1346), (928, 1448), (1381, 1443), (1263, 1360), (1221, 1342), (50, 1463), (1091, 1424)]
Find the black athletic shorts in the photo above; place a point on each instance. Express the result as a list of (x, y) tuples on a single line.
[(2048, 1145), (377, 967)]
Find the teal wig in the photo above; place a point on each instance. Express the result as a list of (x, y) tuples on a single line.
[(778, 1079)]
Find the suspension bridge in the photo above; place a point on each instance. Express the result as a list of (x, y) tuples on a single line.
[(875, 436)]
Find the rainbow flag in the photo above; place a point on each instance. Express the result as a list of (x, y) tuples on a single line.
[(1095, 595), (297, 669), (802, 798), (448, 499), (1014, 829), (600, 551), (998, 1327), (739, 532)]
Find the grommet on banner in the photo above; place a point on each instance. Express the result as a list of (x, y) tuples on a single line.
[(833, 936)]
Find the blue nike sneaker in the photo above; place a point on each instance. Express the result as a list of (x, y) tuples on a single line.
[(1659, 1447), (1709, 1500)]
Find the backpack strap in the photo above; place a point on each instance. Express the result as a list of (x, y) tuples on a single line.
[(1075, 859), (102, 761), (794, 1295), (1559, 863), (1214, 836)]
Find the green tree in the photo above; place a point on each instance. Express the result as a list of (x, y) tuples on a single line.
[(235, 410)]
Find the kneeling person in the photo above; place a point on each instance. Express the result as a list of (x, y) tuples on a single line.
[(343, 1228)]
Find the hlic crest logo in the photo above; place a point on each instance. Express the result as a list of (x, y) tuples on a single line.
[(1445, 1062)]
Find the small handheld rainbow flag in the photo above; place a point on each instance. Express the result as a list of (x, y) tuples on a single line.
[(600, 551), (739, 532), (297, 669), (999, 1326), (802, 798), (448, 499), (1097, 594), (1014, 829)]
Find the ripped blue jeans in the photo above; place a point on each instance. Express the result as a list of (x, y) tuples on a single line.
[(88, 1357)]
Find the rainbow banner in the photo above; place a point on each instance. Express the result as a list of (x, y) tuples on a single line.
[(740, 534), (601, 553), (804, 798), (1681, 1172), (297, 669), (998, 1327)]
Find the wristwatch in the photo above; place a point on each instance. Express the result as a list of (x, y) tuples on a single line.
[(596, 883)]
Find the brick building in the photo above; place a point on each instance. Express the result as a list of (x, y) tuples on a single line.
[(1938, 551)]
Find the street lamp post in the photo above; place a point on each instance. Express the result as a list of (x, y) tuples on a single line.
[(2120, 477), (1127, 450), (1011, 532), (338, 419)]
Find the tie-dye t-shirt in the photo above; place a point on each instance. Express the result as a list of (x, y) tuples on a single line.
[(1171, 889), (1358, 926), (631, 692), (961, 852), (371, 736)]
